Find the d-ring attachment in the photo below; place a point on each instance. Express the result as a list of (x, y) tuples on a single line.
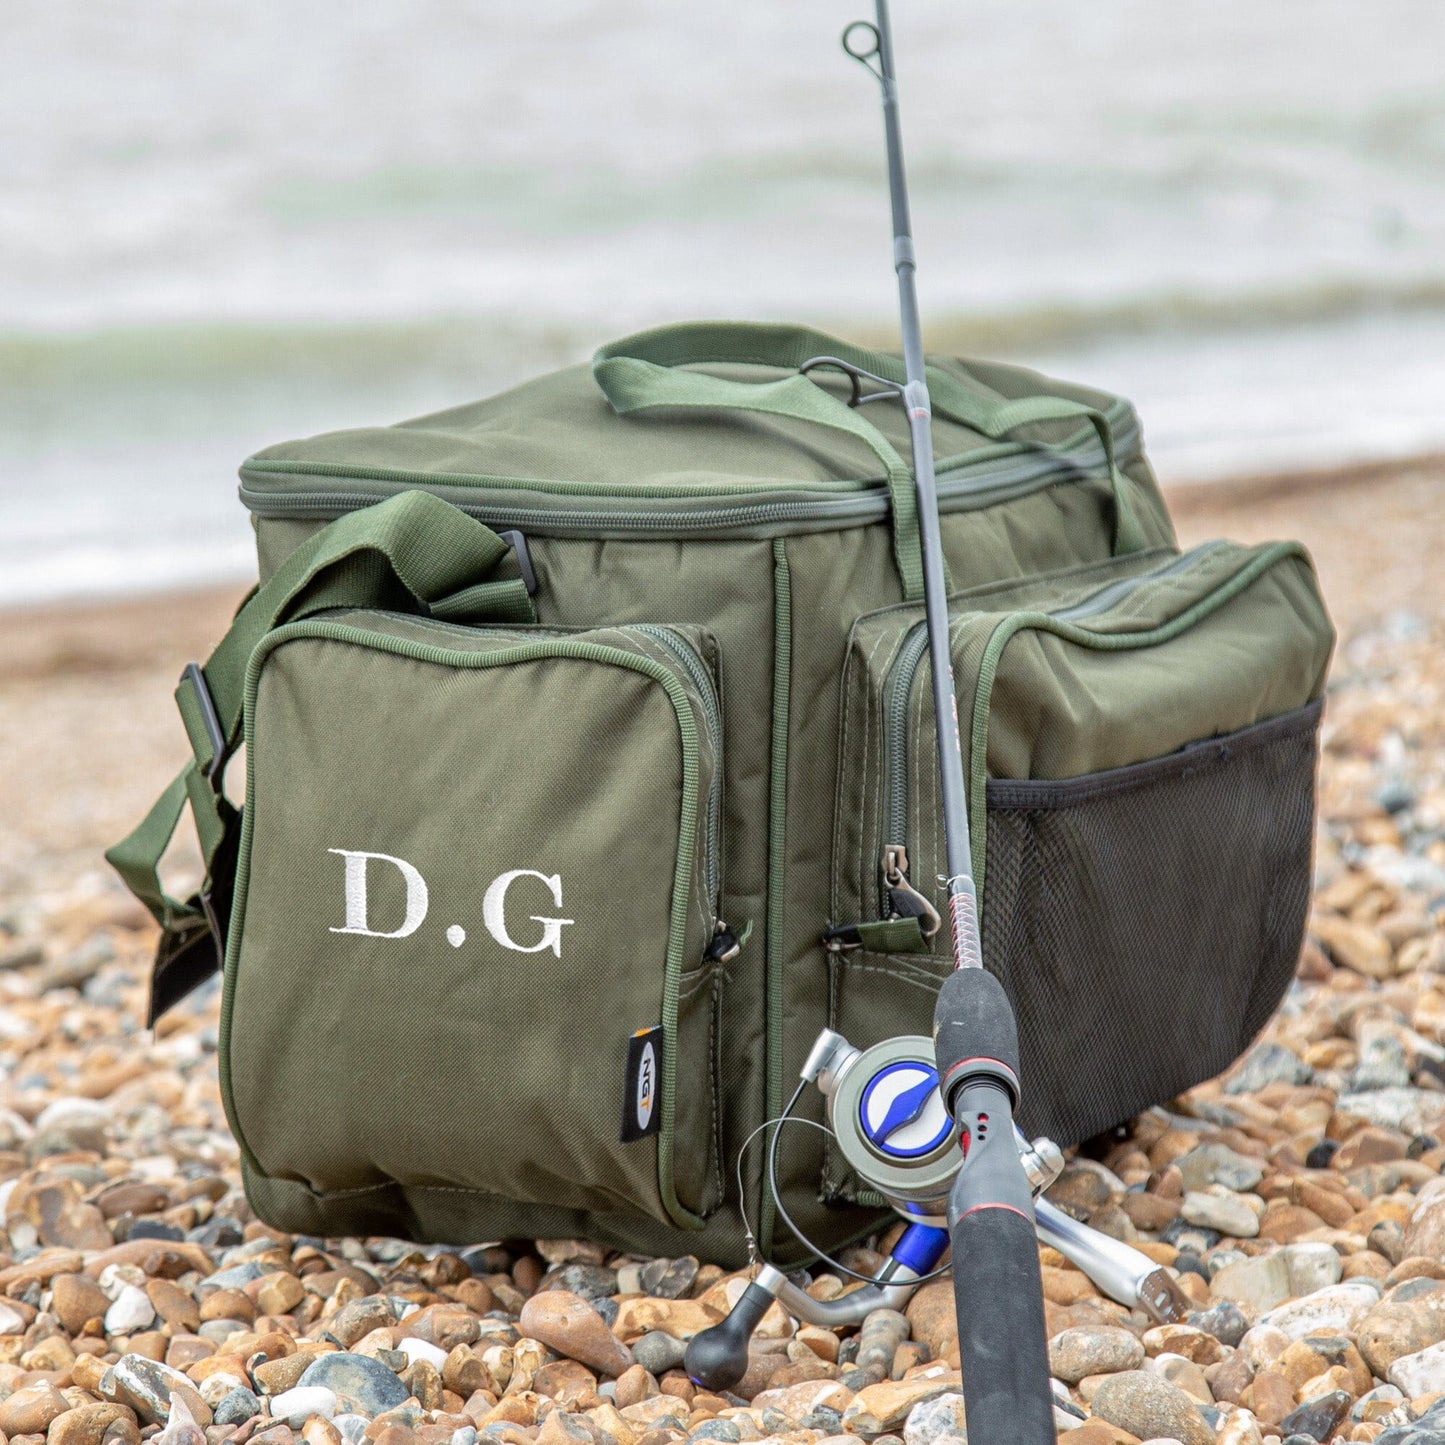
[(855, 374)]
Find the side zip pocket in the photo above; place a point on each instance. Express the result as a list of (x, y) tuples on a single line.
[(1140, 741)]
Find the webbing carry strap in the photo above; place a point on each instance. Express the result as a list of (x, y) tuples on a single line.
[(642, 372), (1128, 536), (410, 553), (633, 381)]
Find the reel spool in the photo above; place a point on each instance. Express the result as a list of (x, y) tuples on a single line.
[(890, 1123), (892, 1126)]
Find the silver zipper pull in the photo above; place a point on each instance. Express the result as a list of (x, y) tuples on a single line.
[(904, 900)]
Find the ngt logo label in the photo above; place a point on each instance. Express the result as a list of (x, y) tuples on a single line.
[(646, 1087), (642, 1082), (494, 904)]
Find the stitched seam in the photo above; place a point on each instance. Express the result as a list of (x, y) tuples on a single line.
[(834, 899), (1037, 795), (714, 660), (875, 703), (700, 902), (860, 857), (714, 1064), (920, 978), (778, 741), (925, 779), (693, 984)]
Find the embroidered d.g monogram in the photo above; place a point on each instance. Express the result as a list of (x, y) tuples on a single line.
[(494, 904)]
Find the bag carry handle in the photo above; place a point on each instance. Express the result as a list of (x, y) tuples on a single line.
[(411, 553), (640, 372)]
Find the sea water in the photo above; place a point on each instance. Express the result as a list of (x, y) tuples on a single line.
[(226, 222)]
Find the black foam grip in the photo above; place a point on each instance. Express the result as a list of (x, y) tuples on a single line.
[(973, 1020), (1001, 1336)]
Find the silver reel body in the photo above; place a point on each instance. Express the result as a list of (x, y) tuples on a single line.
[(890, 1123)]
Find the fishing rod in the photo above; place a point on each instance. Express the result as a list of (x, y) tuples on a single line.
[(998, 1289), (930, 1124)]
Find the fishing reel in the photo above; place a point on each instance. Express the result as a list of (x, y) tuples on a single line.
[(890, 1123)]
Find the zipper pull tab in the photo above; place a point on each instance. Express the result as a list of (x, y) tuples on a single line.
[(723, 947), (904, 899)]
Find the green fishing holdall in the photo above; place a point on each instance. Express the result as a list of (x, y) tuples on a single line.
[(590, 773)]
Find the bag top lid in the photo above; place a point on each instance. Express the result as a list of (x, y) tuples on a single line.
[(696, 409)]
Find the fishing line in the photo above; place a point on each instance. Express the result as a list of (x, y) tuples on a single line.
[(754, 1257)]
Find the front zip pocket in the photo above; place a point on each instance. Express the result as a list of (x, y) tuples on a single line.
[(903, 697), (1139, 745), (476, 949), (888, 772)]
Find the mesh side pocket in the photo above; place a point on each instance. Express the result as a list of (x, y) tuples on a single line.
[(1147, 920)]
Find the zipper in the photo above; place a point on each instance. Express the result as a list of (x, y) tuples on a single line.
[(902, 899), (992, 475), (899, 693), (895, 758), (1106, 597), (723, 947)]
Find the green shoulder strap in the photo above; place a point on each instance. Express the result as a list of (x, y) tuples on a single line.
[(641, 372), (412, 553)]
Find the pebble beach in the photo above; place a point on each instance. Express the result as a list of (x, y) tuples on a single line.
[(1298, 1198)]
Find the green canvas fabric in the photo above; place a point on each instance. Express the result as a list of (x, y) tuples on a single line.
[(507, 1099), (681, 725)]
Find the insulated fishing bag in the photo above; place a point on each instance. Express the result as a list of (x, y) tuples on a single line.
[(590, 773)]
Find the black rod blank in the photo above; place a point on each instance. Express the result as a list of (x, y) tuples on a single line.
[(963, 907)]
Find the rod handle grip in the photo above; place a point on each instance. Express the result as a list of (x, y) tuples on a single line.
[(1001, 1336)]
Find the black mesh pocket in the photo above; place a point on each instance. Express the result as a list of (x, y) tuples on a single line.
[(1147, 920)]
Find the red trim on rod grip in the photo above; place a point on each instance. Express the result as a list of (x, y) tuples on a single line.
[(978, 1059), (1009, 1207)]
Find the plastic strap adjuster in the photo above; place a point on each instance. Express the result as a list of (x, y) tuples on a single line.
[(210, 721)]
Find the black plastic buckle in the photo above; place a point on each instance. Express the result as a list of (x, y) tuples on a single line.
[(211, 720), (195, 950)]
